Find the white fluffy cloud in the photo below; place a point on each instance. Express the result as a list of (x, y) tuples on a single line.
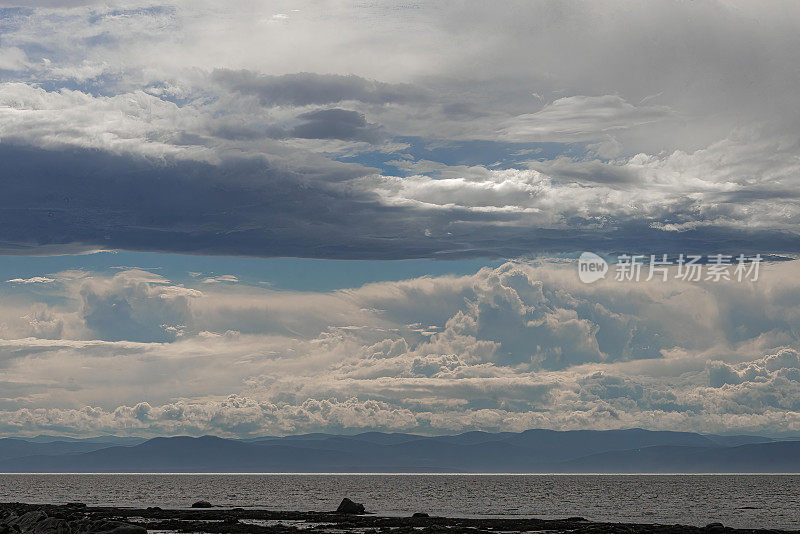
[(31, 280), (522, 345)]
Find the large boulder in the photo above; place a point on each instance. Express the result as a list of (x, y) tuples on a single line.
[(349, 507), (202, 504)]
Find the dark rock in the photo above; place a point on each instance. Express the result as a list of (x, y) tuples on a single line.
[(51, 525), (420, 514), (202, 504), (102, 526), (76, 505), (715, 527), (63, 521), (349, 507), (576, 518), (26, 521)]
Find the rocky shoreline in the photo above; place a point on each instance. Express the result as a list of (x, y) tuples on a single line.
[(77, 518)]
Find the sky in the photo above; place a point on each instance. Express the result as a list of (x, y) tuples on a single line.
[(270, 218)]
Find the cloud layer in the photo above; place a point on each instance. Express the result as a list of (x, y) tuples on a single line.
[(165, 127), (523, 345), (377, 132)]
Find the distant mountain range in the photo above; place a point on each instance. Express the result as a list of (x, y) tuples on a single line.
[(532, 451)]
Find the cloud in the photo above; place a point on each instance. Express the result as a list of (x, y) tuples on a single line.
[(221, 278), (207, 189), (235, 207), (307, 88), (588, 172), (239, 153), (135, 307), (785, 364), (337, 124), (521, 345), (32, 280), (129, 123), (578, 118), (177, 203), (380, 132), (233, 416), (13, 58)]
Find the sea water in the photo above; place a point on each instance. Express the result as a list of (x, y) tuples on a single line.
[(743, 501)]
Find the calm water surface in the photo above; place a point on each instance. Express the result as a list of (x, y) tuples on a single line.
[(744, 501)]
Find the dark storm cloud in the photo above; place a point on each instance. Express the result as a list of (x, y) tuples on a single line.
[(338, 124), (82, 199), (306, 88), (65, 200), (342, 124)]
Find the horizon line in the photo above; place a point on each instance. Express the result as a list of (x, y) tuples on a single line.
[(397, 474)]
